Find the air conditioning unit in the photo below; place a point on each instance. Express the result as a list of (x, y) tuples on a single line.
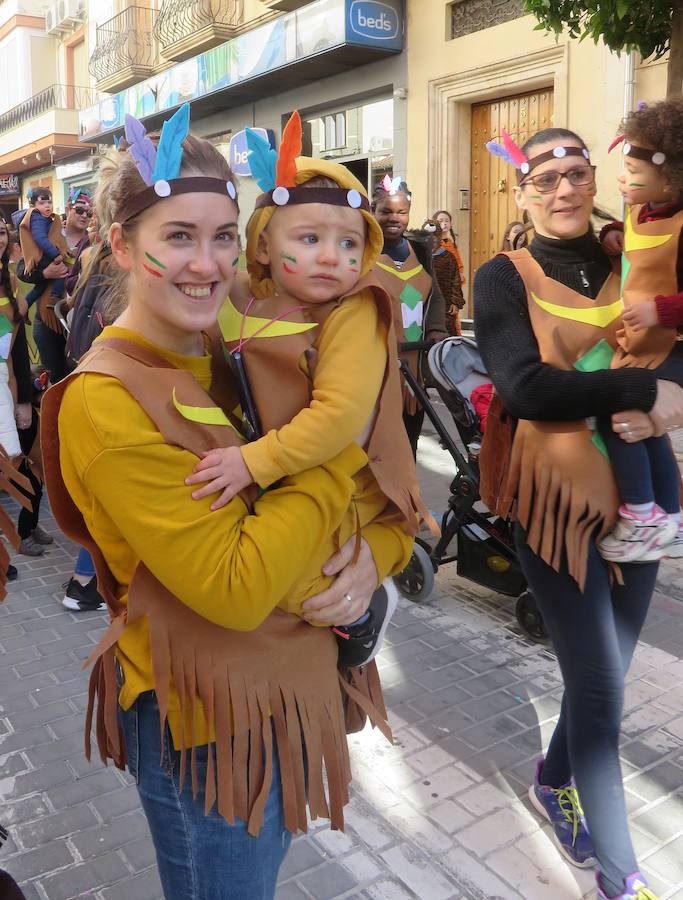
[(70, 12), (53, 24)]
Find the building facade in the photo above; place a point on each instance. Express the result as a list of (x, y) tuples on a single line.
[(44, 81), (476, 66), (251, 63)]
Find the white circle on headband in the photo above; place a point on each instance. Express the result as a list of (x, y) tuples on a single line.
[(524, 168), (559, 152), (281, 196), (658, 158), (626, 149), (586, 153), (353, 198), (230, 187), (162, 188)]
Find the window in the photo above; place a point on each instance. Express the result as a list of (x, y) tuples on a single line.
[(332, 132)]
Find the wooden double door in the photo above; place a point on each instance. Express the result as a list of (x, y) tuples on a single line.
[(492, 204)]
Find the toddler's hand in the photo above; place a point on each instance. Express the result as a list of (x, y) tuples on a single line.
[(641, 315), (613, 242), (225, 470)]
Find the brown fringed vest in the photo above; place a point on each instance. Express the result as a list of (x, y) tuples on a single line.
[(559, 484), (409, 288), (280, 679), (279, 360), (649, 267)]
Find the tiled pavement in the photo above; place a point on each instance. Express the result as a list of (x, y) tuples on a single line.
[(440, 814)]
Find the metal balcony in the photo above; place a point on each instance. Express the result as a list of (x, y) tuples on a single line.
[(57, 96), (125, 50), (285, 5), (184, 28)]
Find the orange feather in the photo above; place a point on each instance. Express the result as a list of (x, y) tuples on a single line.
[(290, 148)]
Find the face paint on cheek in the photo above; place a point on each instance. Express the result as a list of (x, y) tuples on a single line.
[(635, 184), (288, 269), (352, 263), (156, 262), (235, 262)]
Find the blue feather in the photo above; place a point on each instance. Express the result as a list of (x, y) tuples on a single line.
[(262, 160), (170, 146), (496, 149)]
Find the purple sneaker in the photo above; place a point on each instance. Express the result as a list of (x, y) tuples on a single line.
[(562, 808), (636, 889)]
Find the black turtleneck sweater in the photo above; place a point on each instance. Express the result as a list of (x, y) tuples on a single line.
[(529, 388)]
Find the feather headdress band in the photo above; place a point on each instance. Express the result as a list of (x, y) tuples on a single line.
[(515, 156), (159, 166), (656, 157), (275, 173)]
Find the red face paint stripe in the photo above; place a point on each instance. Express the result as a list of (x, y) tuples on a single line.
[(152, 271), (288, 270)]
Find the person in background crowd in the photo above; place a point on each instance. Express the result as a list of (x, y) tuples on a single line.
[(447, 274), (542, 320), (47, 331), (18, 418), (516, 236), (405, 270), (445, 220)]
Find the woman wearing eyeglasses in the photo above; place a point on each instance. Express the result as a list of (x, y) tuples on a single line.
[(546, 319)]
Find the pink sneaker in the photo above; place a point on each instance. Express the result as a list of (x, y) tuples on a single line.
[(635, 889), (633, 537)]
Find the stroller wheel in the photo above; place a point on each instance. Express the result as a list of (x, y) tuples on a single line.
[(416, 581), (530, 618)]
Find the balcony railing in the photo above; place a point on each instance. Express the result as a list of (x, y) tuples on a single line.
[(125, 48), (186, 27), (57, 96)]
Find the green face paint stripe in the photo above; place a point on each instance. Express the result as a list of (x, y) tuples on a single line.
[(353, 262), (235, 260), (535, 197), (288, 257), (635, 184), (155, 261)]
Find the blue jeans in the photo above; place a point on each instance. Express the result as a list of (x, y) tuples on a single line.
[(200, 857), (84, 564), (594, 634)]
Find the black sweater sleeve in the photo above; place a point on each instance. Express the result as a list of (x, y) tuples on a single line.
[(529, 388), (21, 366)]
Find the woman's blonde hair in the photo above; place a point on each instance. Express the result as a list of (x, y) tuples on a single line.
[(119, 179)]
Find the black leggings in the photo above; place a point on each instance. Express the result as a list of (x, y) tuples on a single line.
[(28, 518), (594, 634)]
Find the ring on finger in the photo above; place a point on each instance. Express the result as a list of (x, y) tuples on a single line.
[(348, 598), (625, 427)]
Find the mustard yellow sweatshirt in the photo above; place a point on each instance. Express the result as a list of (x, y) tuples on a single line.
[(230, 567)]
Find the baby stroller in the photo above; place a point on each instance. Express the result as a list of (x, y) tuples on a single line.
[(481, 543)]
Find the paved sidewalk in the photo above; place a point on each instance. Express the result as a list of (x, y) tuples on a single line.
[(441, 814)]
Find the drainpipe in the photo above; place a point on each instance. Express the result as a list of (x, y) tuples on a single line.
[(629, 96)]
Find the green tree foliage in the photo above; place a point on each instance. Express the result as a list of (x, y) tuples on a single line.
[(650, 27)]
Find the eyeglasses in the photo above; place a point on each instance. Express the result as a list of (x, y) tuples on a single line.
[(547, 182), (83, 211)]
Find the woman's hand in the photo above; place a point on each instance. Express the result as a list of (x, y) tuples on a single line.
[(55, 269), (667, 413), (357, 582), (633, 425), (613, 242)]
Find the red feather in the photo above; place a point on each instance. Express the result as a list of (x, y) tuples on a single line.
[(516, 155), (615, 143), (290, 148)]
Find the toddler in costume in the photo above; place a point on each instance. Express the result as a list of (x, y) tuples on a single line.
[(42, 241), (314, 339), (649, 525)]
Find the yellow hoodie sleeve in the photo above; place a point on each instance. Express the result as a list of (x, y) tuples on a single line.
[(350, 366), (229, 567)]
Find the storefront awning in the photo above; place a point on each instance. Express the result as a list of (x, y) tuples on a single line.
[(325, 38)]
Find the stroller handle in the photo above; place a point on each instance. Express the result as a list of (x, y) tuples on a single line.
[(415, 345)]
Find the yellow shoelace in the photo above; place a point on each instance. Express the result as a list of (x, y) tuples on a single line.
[(570, 805)]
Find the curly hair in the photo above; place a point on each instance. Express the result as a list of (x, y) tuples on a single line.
[(660, 127)]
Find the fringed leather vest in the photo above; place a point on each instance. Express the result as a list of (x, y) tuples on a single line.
[(559, 483), (648, 268), (409, 288), (279, 359), (280, 679)]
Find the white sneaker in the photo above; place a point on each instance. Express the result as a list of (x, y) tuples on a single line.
[(672, 550), (633, 538)]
